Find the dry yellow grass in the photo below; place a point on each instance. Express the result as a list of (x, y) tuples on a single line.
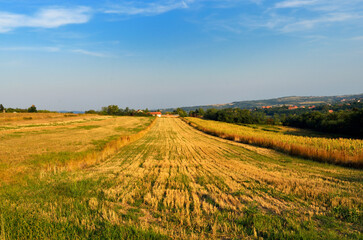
[(180, 182), (49, 140), (25, 117), (190, 185), (342, 151)]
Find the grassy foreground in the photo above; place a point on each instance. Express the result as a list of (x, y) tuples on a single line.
[(342, 151), (179, 183)]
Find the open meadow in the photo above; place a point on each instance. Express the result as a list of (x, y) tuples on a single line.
[(174, 182)]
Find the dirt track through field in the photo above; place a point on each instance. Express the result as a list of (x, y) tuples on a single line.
[(187, 184)]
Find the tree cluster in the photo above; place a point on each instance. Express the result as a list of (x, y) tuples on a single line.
[(346, 119), (197, 113), (236, 115), (342, 122), (180, 112), (115, 110), (31, 109)]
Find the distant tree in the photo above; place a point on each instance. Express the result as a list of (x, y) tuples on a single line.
[(104, 110), (197, 113), (211, 114), (2, 109), (181, 112), (113, 110), (277, 119), (90, 112), (32, 109), (201, 112), (258, 117)]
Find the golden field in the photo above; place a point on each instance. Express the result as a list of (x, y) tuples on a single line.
[(47, 140), (176, 182), (342, 151)]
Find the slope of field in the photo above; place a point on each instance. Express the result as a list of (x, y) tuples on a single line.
[(181, 183), (28, 141), (343, 151)]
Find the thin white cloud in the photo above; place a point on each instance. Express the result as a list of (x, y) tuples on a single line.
[(303, 16), (89, 53), (154, 8), (44, 18), (312, 23), (294, 3)]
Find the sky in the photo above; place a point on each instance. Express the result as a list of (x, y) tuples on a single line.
[(81, 55)]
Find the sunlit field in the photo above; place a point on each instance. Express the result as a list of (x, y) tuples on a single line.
[(176, 182), (343, 151), (36, 141)]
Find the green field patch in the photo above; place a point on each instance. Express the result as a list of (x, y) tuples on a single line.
[(89, 127), (100, 144), (14, 135), (76, 189), (55, 157), (22, 224)]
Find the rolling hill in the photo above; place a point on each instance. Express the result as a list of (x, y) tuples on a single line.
[(291, 100)]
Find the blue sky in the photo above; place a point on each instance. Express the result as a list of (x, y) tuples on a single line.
[(79, 55)]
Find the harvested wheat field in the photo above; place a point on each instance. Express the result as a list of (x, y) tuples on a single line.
[(46, 140), (179, 183)]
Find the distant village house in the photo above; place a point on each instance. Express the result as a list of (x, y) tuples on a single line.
[(158, 114)]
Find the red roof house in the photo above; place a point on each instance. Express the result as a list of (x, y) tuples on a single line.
[(158, 114)]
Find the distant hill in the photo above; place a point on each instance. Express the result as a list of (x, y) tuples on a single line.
[(274, 102)]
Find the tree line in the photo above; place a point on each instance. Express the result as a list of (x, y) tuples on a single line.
[(116, 111), (31, 109), (345, 119), (347, 122)]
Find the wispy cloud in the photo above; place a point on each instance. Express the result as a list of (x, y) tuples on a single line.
[(153, 8), (89, 53), (44, 18), (307, 24), (294, 3), (290, 16)]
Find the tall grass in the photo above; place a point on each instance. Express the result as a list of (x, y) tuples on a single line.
[(341, 151)]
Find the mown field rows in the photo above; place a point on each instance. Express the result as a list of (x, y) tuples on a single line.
[(342, 151), (29, 141), (180, 183)]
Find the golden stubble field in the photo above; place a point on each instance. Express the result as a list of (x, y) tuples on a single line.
[(177, 182), (186, 184), (41, 138)]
